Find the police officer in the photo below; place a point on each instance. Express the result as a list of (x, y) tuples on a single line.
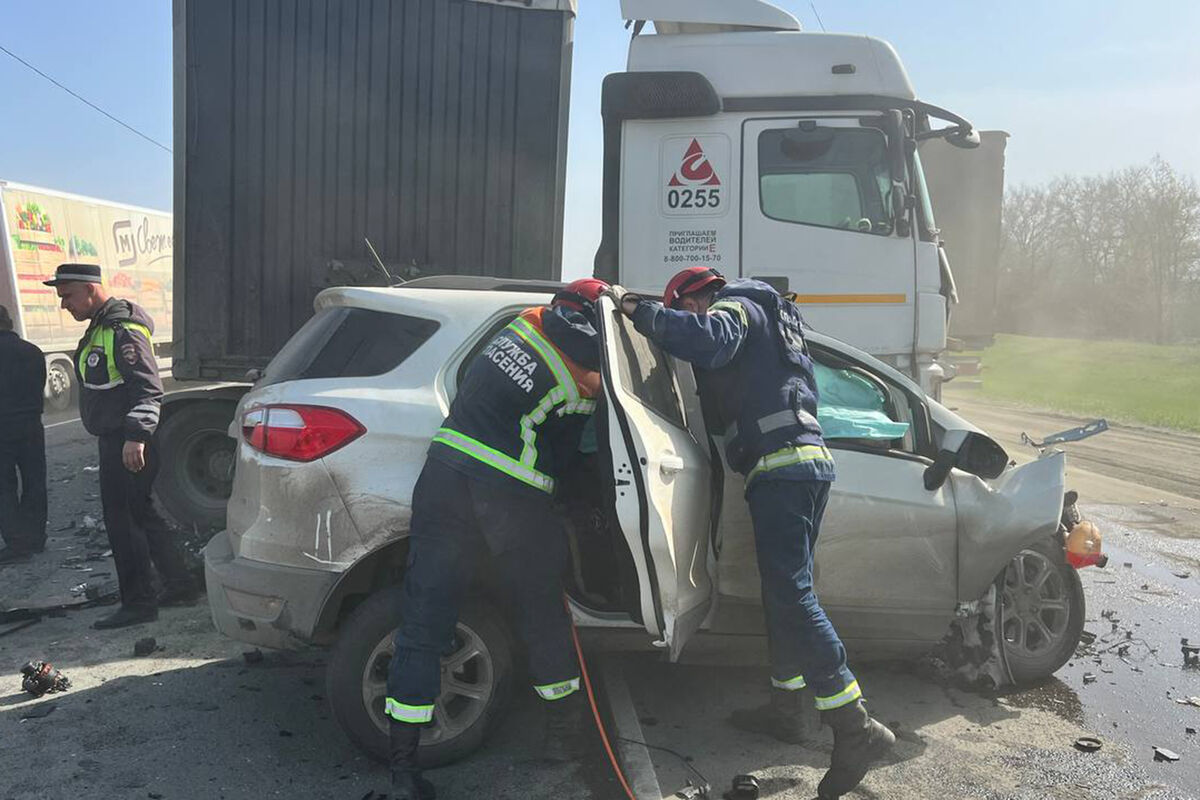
[(488, 483), (120, 394), (22, 445), (756, 378)]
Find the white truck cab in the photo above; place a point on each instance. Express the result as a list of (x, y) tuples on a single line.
[(737, 141)]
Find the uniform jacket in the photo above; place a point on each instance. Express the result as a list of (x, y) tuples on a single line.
[(755, 375), (120, 391), (523, 401), (22, 382)]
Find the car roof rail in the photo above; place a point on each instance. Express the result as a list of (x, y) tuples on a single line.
[(482, 283)]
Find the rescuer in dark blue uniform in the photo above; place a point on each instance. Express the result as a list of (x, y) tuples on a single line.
[(756, 377), (489, 481)]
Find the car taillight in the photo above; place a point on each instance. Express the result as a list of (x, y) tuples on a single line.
[(299, 433)]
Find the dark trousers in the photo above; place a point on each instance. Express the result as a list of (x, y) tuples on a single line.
[(23, 501), (804, 647), (137, 532), (455, 518)]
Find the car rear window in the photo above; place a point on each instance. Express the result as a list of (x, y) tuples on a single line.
[(348, 343)]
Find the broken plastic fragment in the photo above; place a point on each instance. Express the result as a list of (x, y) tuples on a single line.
[(1163, 754)]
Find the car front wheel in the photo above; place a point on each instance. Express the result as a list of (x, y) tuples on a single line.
[(476, 677), (1041, 612)]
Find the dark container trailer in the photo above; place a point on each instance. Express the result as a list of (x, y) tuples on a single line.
[(434, 128)]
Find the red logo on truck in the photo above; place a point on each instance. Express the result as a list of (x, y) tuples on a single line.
[(695, 169)]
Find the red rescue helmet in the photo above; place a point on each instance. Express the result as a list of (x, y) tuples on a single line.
[(690, 280), (580, 295)]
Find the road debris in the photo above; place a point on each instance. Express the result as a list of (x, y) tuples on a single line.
[(145, 646), (1089, 677), (1163, 754), (254, 656), (92, 468), (1087, 744), (1182, 573), (1188, 701), (1191, 653), (40, 677)]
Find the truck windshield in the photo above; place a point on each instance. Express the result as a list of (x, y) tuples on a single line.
[(824, 176)]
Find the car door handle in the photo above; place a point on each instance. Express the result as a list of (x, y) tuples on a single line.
[(669, 464)]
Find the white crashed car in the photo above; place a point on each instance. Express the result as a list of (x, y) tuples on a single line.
[(931, 536)]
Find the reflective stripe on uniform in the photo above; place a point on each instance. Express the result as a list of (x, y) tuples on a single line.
[(530, 421), (734, 306), (578, 407), (403, 712), (791, 684), (557, 691), (494, 458), (784, 419), (788, 456), (843, 698)]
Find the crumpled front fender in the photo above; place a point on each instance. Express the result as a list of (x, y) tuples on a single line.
[(997, 518)]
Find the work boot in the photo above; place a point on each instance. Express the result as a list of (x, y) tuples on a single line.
[(858, 741), (407, 782), (781, 717), (125, 616), (565, 721)]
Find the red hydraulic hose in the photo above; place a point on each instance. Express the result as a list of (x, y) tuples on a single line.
[(587, 683)]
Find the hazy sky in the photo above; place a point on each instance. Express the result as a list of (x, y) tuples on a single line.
[(1083, 87)]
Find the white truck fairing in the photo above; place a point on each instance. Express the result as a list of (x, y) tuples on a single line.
[(737, 141)]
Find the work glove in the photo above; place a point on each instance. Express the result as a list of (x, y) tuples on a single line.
[(626, 301)]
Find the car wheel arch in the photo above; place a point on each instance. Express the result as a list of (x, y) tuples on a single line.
[(377, 570)]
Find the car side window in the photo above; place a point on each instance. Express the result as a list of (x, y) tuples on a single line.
[(857, 408), (481, 343), (645, 371)]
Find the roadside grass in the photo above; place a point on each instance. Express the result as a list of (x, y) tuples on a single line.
[(1134, 382)]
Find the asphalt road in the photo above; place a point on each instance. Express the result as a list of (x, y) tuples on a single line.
[(195, 720)]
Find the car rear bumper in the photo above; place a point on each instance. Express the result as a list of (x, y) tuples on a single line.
[(263, 604)]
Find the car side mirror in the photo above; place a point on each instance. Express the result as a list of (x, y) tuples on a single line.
[(969, 451)]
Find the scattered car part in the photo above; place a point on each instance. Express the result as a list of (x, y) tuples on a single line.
[(1191, 653), (1089, 677), (1084, 545), (1088, 744), (745, 787), (1163, 754), (1070, 435), (42, 678), (145, 646), (254, 656)]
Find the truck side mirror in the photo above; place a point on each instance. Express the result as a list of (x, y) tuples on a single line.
[(893, 126), (967, 140)]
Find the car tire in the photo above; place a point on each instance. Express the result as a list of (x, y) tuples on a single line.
[(1042, 610), (356, 679), (195, 476)]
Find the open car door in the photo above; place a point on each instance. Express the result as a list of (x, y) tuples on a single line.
[(662, 481)]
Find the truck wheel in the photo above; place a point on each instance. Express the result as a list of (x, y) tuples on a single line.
[(1041, 612), (60, 385), (196, 475), (476, 679)]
